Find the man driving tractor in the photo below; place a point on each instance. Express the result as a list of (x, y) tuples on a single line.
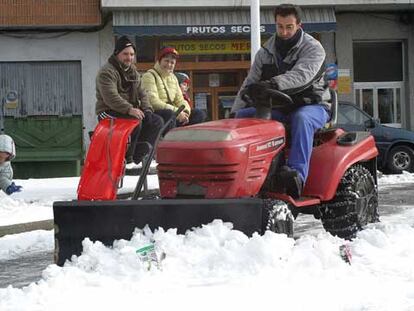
[(292, 62)]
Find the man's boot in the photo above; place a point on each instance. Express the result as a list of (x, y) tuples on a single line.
[(141, 150), (288, 181)]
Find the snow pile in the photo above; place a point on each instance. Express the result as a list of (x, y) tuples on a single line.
[(404, 177), (216, 267), (13, 246)]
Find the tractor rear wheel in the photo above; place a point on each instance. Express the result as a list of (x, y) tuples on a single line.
[(354, 205)]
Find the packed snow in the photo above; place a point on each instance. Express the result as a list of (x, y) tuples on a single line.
[(213, 266)]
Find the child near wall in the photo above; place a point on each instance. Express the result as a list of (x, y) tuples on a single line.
[(7, 153)]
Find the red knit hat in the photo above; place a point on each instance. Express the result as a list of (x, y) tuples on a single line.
[(167, 50)]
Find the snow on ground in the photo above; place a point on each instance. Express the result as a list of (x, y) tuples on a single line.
[(216, 267), (35, 201), (385, 180), (14, 245)]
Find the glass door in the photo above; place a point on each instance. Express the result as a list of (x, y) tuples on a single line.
[(381, 101), (215, 92), (203, 101), (379, 79)]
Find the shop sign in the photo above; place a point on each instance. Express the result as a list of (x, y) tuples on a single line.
[(200, 100), (195, 30), (203, 47), (331, 74), (213, 80), (231, 29), (344, 81)]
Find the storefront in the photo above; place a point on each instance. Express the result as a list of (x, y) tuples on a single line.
[(376, 55), (214, 46)]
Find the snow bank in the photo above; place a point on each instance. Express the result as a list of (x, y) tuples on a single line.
[(216, 267)]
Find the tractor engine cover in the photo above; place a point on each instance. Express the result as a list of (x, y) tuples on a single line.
[(218, 159)]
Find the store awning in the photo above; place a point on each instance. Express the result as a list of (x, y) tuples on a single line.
[(210, 22)]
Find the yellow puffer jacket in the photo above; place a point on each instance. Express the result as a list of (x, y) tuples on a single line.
[(151, 81)]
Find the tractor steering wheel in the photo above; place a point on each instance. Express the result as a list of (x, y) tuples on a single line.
[(265, 101), (280, 99)]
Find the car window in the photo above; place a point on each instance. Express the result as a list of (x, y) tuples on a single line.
[(349, 114)]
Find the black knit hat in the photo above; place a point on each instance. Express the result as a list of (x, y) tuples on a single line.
[(122, 43)]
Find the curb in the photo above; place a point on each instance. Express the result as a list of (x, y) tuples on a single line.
[(24, 227)]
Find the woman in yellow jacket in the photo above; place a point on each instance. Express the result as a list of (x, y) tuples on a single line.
[(164, 92)]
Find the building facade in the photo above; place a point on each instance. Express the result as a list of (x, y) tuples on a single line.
[(50, 53), (370, 45), (214, 45)]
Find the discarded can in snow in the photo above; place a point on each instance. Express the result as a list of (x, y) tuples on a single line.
[(149, 256), (345, 253)]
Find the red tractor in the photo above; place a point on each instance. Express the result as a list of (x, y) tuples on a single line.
[(221, 170)]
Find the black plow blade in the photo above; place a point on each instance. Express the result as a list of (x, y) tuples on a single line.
[(107, 221)]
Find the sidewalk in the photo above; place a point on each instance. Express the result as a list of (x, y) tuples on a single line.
[(64, 189), (24, 227)]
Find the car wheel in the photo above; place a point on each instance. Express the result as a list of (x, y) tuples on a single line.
[(400, 158)]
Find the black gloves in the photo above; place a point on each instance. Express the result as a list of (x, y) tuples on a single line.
[(258, 90), (13, 188), (267, 85)]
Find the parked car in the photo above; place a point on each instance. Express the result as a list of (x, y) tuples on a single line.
[(395, 145)]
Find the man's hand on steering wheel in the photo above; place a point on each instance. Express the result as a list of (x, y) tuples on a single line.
[(259, 90), (260, 93)]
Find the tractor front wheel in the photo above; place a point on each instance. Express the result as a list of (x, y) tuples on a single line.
[(354, 205)]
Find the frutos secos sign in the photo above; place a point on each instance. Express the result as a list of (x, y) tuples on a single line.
[(199, 47), (191, 30), (227, 29)]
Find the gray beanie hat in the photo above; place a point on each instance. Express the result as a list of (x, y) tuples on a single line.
[(7, 145)]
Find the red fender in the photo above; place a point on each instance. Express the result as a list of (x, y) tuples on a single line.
[(104, 164), (325, 172)]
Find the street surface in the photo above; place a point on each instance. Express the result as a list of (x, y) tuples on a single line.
[(394, 200)]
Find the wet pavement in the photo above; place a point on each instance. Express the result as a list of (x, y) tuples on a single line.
[(19, 272), (24, 270)]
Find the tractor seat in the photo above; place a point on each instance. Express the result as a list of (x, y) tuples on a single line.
[(334, 112), (330, 126)]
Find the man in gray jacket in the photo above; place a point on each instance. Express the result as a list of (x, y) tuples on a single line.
[(292, 62)]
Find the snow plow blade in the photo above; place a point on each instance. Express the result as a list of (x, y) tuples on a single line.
[(107, 221)]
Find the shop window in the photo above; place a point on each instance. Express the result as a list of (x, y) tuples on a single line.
[(146, 49), (187, 58), (378, 61), (201, 80), (379, 79), (381, 100), (226, 101), (215, 79), (220, 57)]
